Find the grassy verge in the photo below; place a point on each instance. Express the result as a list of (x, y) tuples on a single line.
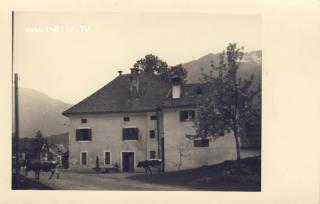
[(243, 175)]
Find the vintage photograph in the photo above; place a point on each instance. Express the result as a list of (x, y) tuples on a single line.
[(136, 101)]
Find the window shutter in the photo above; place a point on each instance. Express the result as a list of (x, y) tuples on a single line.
[(136, 133), (78, 135), (124, 133), (89, 134)]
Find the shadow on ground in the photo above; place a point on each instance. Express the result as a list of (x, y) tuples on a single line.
[(20, 182), (243, 175)]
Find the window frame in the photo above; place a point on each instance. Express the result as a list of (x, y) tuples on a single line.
[(87, 157), (201, 146), (104, 157), (150, 154), (153, 117), (154, 132), (192, 119), (84, 120), (130, 127), (84, 128)]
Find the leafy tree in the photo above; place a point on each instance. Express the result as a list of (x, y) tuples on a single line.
[(231, 102), (177, 70), (151, 64)]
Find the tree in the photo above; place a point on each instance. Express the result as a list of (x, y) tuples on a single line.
[(151, 64), (177, 70), (231, 102)]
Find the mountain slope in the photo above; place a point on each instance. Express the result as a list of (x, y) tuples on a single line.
[(37, 111), (251, 64)]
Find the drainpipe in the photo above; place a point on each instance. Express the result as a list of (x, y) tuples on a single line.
[(158, 130), (160, 150)]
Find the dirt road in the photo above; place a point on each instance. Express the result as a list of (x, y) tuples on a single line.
[(113, 181)]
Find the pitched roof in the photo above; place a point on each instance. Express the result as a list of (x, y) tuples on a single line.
[(115, 96), (191, 95), (153, 92)]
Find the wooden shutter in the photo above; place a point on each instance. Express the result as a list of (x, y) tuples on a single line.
[(89, 134), (78, 135)]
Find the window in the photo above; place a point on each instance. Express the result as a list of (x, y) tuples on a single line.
[(84, 158), (199, 90), (126, 119), (152, 133), (84, 134), (84, 120), (153, 117), (187, 115), (107, 158), (201, 143), (152, 154), (130, 133)]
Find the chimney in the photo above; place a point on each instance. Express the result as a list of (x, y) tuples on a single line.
[(134, 83), (176, 86), (120, 72)]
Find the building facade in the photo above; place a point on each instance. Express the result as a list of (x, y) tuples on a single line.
[(142, 116)]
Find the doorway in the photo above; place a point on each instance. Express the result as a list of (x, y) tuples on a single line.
[(128, 161)]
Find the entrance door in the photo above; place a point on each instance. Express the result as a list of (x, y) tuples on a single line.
[(128, 161)]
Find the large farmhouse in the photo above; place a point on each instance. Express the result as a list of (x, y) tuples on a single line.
[(142, 116)]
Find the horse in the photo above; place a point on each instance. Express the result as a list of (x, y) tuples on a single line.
[(37, 166), (146, 164)]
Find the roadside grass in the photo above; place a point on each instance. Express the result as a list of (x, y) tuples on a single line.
[(243, 175)]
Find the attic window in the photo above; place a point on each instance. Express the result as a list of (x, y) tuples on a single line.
[(84, 120), (126, 119)]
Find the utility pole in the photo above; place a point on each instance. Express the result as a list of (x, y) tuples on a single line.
[(16, 102), (16, 111)]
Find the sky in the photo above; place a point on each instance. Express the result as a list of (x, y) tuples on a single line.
[(69, 66)]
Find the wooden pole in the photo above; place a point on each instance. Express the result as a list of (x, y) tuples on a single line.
[(16, 102), (16, 105)]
